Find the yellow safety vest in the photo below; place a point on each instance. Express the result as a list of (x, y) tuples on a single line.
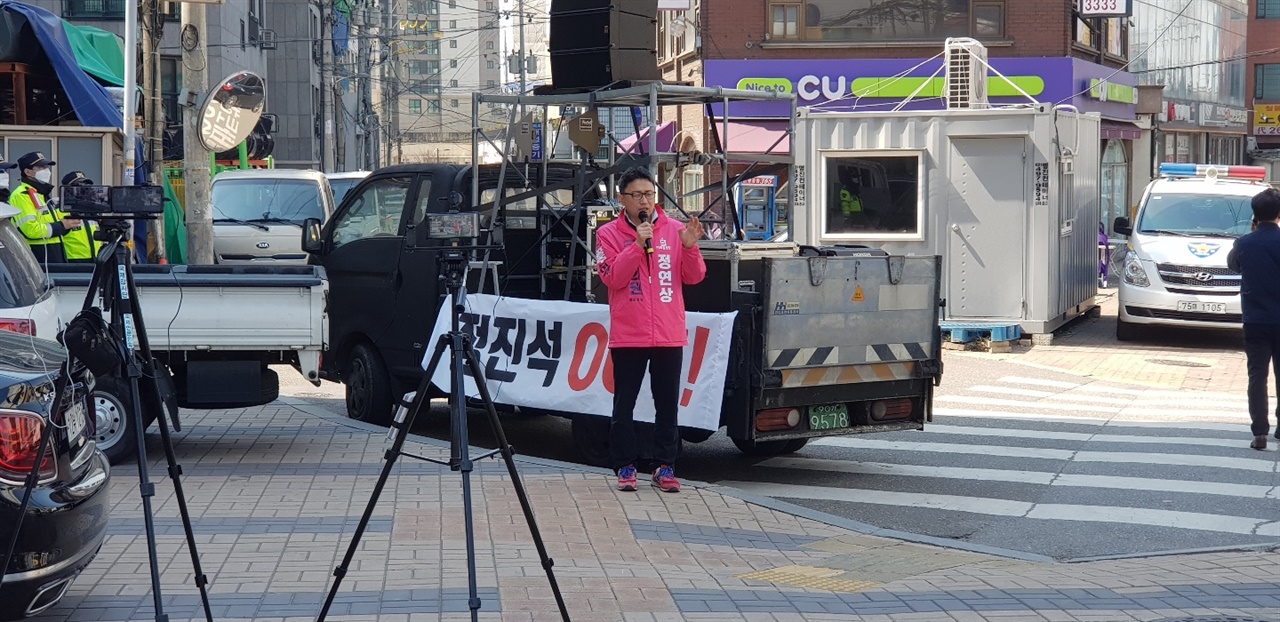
[(36, 221)]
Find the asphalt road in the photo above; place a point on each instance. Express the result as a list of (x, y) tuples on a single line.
[(1017, 457)]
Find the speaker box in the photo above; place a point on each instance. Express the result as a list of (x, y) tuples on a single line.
[(595, 43)]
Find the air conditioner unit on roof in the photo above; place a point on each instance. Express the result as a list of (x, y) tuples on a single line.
[(965, 84)]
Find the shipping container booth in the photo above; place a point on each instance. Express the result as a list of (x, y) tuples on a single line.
[(1008, 197)]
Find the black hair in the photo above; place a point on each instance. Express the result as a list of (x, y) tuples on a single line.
[(632, 175), (1266, 205)]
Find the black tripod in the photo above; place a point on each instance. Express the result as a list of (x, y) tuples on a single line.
[(113, 279), (454, 262)]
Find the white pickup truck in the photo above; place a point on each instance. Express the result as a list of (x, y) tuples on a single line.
[(215, 330)]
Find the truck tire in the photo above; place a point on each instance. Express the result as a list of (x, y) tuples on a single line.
[(113, 419), (591, 438), (763, 449), (794, 445), (1127, 331), (369, 395)]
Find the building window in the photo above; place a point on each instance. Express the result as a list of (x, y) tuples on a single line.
[(492, 84), (453, 4), (453, 24), (488, 6), (488, 64), (453, 84), (786, 21), (871, 195), (453, 103), (488, 45), (453, 44), (415, 106), (170, 84), (887, 20), (988, 20), (242, 29), (1266, 82), (1105, 35), (453, 63), (433, 105), (1268, 9)]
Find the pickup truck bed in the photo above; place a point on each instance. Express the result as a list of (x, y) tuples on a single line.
[(214, 331)]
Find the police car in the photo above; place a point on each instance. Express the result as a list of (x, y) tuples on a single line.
[(1175, 267)]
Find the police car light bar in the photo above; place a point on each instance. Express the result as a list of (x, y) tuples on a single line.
[(1173, 169)]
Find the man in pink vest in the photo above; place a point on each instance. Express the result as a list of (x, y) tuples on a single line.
[(645, 258)]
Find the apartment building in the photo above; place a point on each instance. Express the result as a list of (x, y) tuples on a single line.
[(441, 53)]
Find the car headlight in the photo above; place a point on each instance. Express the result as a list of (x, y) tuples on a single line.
[(1134, 274)]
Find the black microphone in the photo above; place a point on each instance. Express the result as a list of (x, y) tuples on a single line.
[(648, 244)]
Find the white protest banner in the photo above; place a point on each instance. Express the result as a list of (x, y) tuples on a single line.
[(555, 355)]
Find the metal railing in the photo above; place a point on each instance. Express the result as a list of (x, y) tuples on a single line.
[(111, 9)]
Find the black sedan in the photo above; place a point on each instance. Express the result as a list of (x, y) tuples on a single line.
[(66, 520)]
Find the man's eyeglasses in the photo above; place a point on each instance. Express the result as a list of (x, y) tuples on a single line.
[(648, 196)]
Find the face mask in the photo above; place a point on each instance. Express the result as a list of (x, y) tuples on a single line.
[(44, 176), (4, 181)]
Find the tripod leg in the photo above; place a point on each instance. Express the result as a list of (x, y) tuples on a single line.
[(118, 300), (175, 470), (461, 458), (391, 455), (508, 456)]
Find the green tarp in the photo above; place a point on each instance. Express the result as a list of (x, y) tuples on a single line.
[(101, 55), (98, 52)]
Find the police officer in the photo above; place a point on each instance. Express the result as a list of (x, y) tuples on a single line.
[(43, 226), (79, 245)]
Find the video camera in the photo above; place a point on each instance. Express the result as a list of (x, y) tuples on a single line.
[(115, 202)]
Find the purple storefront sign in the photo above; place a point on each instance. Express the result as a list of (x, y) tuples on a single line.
[(880, 84)]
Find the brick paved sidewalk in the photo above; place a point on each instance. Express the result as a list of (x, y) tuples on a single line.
[(276, 492), (1200, 360)]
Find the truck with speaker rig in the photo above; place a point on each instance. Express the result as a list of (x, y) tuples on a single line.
[(815, 341)]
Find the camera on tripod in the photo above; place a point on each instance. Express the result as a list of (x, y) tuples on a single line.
[(112, 202)]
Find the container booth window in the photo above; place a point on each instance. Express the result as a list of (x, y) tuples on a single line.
[(872, 195)]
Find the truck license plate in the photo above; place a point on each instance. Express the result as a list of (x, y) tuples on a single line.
[(828, 417), (75, 423), (1202, 307)]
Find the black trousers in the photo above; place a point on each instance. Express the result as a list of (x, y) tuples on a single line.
[(48, 253), (1262, 354), (626, 444)]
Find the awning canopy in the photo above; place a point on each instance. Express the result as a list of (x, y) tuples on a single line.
[(757, 136), (1120, 130), (666, 135)]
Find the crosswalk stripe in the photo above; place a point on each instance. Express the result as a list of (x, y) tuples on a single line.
[(1170, 459), (1146, 399), (1081, 436), (1136, 410), (1100, 388), (1003, 507), (1098, 420), (1046, 478)]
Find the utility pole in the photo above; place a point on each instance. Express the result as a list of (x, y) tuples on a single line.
[(195, 81), (153, 112), (324, 26), (387, 54), (524, 58), (130, 111)]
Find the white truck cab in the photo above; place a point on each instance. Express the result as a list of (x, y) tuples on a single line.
[(1175, 267)]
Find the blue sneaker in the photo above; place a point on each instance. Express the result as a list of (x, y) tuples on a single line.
[(665, 479), (627, 478)]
